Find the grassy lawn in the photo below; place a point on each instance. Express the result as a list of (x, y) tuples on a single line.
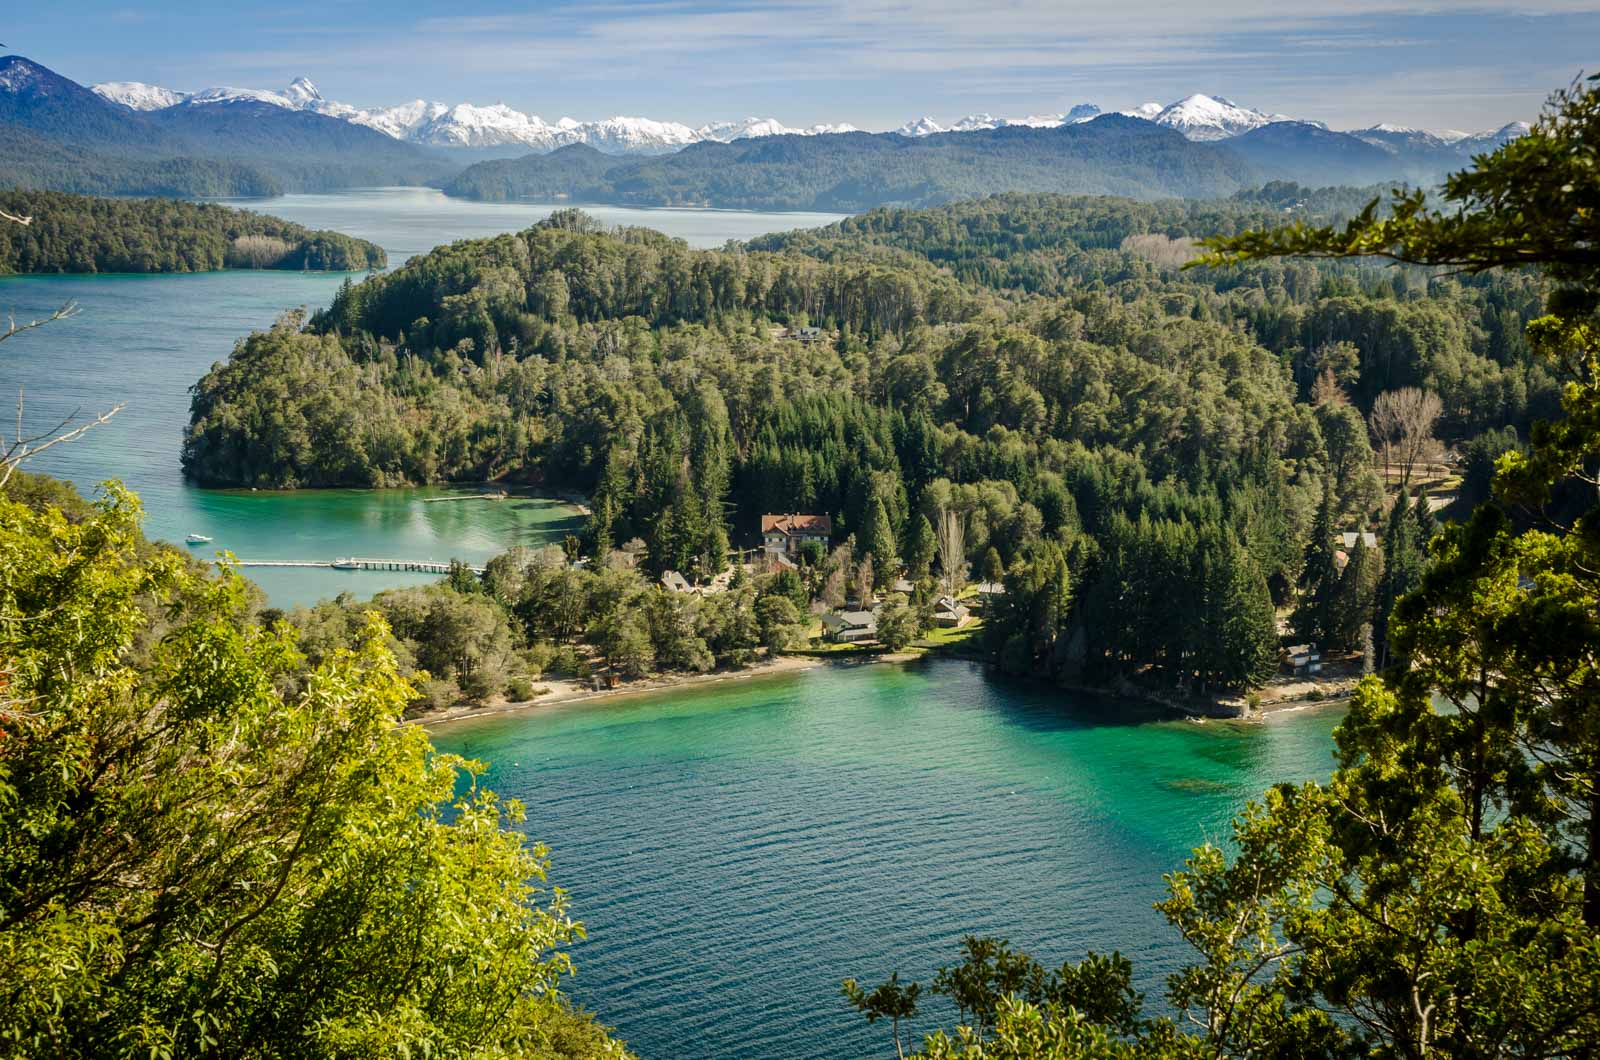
[(937, 639)]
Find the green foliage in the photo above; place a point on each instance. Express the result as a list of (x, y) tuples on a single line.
[(1034, 363), (898, 623), (1008, 1004), (858, 171), (210, 847), (1529, 203), (74, 233), (1440, 895)]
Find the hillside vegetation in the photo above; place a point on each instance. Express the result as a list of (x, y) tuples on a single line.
[(1111, 155), (1036, 363), (75, 233)]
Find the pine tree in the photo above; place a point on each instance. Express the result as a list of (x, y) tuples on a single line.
[(877, 541), (994, 569), (1319, 580), (922, 548), (1244, 625), (1402, 571), (1354, 596)]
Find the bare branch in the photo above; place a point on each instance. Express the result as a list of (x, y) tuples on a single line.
[(26, 446), (70, 309)]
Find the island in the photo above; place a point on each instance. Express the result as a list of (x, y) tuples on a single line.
[(87, 234)]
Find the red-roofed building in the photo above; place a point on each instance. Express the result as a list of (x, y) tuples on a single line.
[(785, 535)]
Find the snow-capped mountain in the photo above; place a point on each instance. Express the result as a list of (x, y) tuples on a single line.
[(926, 126), (1488, 141), (467, 125), (923, 126), (1200, 117), (138, 95)]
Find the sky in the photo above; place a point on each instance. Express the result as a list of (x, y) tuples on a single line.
[(874, 63)]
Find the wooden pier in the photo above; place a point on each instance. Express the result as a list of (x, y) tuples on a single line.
[(495, 495), (356, 563)]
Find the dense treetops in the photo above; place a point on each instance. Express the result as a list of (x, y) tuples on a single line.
[(76, 233), (1098, 417), (1440, 895), (859, 171), (210, 845)]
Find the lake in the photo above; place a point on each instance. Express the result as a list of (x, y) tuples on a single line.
[(144, 340), (737, 850)]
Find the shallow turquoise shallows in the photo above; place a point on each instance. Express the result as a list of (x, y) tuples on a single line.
[(736, 850), (144, 340)]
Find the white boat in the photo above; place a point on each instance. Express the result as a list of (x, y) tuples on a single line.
[(197, 539), (345, 563)]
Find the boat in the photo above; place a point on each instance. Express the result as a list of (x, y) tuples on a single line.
[(346, 563), (197, 539)]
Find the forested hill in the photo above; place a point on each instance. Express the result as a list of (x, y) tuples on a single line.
[(1112, 155), (77, 233), (57, 134), (1034, 242), (1095, 413)]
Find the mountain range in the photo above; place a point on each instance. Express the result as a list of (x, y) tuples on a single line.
[(135, 139), (57, 134), (466, 125), (503, 130)]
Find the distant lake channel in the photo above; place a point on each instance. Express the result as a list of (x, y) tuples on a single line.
[(144, 340)]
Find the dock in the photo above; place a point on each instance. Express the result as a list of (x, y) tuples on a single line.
[(417, 566), (494, 495)]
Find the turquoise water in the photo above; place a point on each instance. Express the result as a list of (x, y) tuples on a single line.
[(736, 850), (144, 340)]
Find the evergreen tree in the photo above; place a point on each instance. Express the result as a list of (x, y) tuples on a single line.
[(1314, 618), (878, 543), (922, 549), (994, 570), (1402, 571), (1354, 595)]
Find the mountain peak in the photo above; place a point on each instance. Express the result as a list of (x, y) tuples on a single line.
[(302, 91), (1203, 117), (137, 95)]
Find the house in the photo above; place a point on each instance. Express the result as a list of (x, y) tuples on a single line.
[(806, 334), (675, 582), (903, 585), (1303, 659), (990, 592), (949, 614), (1367, 538), (785, 535), (850, 627)]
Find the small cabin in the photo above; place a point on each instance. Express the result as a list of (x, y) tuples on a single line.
[(850, 627), (805, 334), (1302, 660), (990, 592), (672, 581), (948, 613)]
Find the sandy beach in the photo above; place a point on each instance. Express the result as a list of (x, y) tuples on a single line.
[(569, 691)]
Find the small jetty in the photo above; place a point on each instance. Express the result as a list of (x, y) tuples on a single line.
[(357, 563), (486, 495)]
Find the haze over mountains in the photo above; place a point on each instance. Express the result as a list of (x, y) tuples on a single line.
[(498, 126), (135, 139)]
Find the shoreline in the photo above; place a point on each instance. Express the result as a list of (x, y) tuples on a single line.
[(567, 692)]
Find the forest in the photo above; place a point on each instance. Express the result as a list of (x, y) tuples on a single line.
[(85, 234), (850, 172), (217, 835), (1118, 431)]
